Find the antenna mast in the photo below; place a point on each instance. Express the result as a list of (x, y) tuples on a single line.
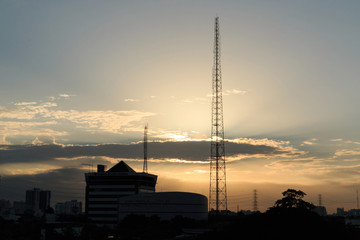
[(145, 167), (217, 192), (255, 207)]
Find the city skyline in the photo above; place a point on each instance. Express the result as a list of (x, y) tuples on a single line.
[(80, 80)]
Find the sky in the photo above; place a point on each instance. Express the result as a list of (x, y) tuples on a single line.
[(80, 79)]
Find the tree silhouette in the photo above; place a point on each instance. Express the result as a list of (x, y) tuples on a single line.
[(293, 199)]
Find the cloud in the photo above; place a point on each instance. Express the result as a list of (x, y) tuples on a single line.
[(61, 96), (310, 142), (234, 92), (196, 100), (336, 140), (44, 118), (295, 163), (179, 151), (229, 92), (25, 103), (44, 140), (347, 152), (97, 121), (66, 96), (131, 100), (319, 169), (342, 172), (3, 141), (262, 141), (203, 100), (13, 129), (25, 111), (180, 136), (342, 141)]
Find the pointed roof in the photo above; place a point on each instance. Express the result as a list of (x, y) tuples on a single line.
[(121, 167)]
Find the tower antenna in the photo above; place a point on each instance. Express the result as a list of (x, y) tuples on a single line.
[(320, 200), (217, 192), (255, 201), (357, 199), (145, 167)]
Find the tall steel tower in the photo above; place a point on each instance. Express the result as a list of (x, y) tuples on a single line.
[(145, 167), (217, 193)]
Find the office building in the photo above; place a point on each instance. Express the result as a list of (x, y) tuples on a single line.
[(105, 188)]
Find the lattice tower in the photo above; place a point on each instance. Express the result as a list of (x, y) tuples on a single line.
[(145, 167), (255, 207), (217, 193)]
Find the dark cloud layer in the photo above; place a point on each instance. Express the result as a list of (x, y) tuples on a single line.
[(67, 181), (65, 184), (192, 150)]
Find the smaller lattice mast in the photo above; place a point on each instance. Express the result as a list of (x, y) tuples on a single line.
[(320, 200), (255, 207), (145, 167)]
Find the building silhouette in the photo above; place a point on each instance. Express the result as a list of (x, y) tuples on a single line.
[(112, 195), (104, 188), (37, 199), (72, 207), (166, 205)]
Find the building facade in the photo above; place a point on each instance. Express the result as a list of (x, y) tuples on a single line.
[(166, 205), (105, 188), (72, 207)]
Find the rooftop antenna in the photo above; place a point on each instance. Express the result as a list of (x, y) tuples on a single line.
[(145, 167), (320, 200), (89, 165)]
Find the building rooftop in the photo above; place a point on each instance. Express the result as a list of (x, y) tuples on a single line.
[(121, 167)]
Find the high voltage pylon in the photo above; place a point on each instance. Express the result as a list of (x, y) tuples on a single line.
[(217, 192), (145, 167)]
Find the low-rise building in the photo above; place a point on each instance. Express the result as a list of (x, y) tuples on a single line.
[(21, 207), (72, 207), (166, 205)]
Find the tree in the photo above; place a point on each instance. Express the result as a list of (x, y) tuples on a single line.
[(292, 199)]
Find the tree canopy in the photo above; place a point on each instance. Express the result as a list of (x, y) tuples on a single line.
[(293, 199)]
